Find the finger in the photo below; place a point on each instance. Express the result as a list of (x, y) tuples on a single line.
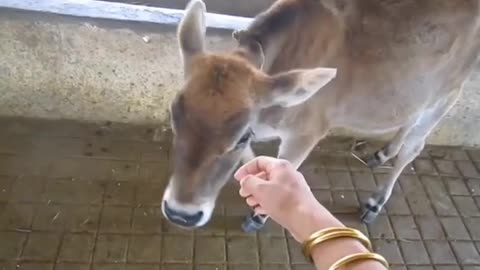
[(244, 193), (255, 166), (249, 185), (262, 175), (251, 202)]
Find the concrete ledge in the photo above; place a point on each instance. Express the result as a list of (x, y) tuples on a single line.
[(58, 67), (122, 11), (229, 7)]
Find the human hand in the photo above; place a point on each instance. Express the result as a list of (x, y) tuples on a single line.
[(274, 187)]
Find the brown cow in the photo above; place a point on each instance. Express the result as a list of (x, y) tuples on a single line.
[(392, 65)]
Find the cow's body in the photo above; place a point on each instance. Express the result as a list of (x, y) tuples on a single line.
[(400, 67), (395, 59)]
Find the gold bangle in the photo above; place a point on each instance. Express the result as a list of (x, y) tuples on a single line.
[(359, 257), (320, 233), (333, 233)]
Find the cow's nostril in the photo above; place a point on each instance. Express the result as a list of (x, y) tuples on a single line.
[(182, 218)]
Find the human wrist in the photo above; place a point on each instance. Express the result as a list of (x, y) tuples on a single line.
[(309, 218), (326, 254)]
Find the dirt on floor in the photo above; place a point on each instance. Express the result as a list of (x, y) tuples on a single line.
[(82, 196)]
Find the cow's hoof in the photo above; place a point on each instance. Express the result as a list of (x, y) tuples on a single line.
[(253, 223), (239, 35), (369, 213), (373, 161)]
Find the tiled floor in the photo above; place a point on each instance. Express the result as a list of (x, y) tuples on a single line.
[(76, 196)]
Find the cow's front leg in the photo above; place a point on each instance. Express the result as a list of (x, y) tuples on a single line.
[(248, 154), (294, 149)]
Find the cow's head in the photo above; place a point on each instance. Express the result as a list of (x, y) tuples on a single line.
[(212, 115)]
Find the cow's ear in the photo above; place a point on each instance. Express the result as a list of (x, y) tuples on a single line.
[(191, 33)]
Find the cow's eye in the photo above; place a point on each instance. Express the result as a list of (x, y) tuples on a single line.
[(244, 139)]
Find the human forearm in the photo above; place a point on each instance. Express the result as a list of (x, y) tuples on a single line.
[(326, 254)]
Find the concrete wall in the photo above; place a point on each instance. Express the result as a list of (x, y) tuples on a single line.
[(248, 8), (57, 67), (69, 68)]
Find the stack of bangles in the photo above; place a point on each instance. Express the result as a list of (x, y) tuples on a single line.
[(341, 232)]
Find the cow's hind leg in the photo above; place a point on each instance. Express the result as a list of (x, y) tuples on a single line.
[(412, 145), (390, 150)]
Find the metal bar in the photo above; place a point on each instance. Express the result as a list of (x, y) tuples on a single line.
[(122, 12)]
